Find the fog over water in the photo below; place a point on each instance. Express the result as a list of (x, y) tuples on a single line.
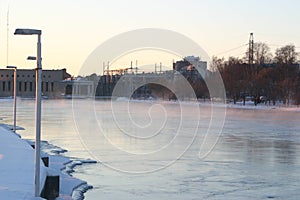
[(150, 150)]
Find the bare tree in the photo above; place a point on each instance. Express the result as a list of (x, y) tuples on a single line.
[(262, 54), (286, 55), (233, 75), (216, 63)]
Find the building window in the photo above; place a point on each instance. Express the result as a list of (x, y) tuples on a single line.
[(7, 75), (49, 76), (52, 86), (8, 85), (47, 85), (30, 86), (28, 75), (3, 85), (20, 86), (25, 86)]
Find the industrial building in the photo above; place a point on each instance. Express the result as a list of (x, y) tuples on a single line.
[(53, 85)]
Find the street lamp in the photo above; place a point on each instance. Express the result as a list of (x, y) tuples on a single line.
[(15, 95), (37, 151)]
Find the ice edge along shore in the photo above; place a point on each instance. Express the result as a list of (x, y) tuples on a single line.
[(17, 169)]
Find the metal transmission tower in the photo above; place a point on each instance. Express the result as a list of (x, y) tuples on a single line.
[(251, 49)]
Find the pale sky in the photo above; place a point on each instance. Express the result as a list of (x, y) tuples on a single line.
[(72, 29)]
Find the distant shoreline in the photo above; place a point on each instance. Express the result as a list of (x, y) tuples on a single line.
[(249, 105)]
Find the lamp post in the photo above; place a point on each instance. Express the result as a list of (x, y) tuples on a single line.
[(37, 152), (15, 95)]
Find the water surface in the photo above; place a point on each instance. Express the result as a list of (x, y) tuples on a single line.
[(256, 157)]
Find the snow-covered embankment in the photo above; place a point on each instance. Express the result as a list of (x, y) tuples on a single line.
[(17, 170)]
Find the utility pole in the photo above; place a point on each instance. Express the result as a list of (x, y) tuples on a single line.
[(103, 68), (136, 66), (160, 65), (108, 80), (107, 69), (251, 49)]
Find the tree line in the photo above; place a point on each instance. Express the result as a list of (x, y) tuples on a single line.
[(268, 79)]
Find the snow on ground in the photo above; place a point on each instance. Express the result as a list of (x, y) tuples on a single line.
[(261, 106), (17, 170), (249, 105), (70, 187), (16, 167)]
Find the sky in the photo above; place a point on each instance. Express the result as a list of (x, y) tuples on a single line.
[(73, 29)]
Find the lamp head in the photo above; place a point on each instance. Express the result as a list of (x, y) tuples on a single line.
[(26, 31), (31, 58), (11, 67)]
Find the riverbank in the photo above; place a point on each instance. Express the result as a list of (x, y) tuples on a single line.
[(250, 105), (17, 169), (71, 186), (231, 105)]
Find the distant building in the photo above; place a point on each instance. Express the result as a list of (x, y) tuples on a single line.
[(106, 85), (196, 62), (78, 88), (191, 67), (52, 82), (181, 66)]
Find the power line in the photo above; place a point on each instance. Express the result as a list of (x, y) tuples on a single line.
[(229, 50), (238, 54), (251, 44), (280, 45)]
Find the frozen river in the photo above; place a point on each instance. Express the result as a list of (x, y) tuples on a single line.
[(152, 151)]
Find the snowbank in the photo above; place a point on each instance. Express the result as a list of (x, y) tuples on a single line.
[(17, 169), (71, 187), (250, 105)]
